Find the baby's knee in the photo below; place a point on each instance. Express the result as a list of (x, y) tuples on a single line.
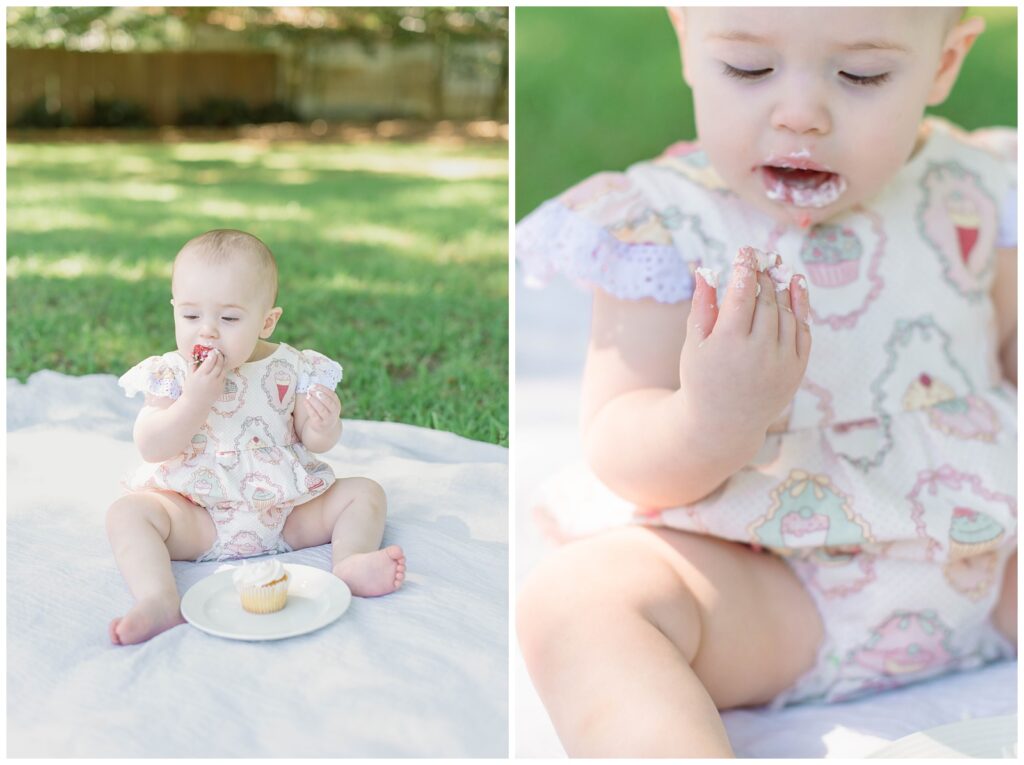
[(541, 605), (370, 493), (600, 583), (129, 511), (561, 595)]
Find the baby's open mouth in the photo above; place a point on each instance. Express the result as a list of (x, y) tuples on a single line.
[(802, 184)]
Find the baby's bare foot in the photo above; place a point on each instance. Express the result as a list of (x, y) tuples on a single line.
[(373, 573), (146, 618)]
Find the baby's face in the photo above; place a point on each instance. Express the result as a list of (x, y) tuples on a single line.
[(806, 112), (220, 306)]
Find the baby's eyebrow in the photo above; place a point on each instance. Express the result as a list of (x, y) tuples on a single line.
[(747, 37), (876, 45), (196, 305)]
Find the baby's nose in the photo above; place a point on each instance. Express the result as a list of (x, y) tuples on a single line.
[(802, 109)]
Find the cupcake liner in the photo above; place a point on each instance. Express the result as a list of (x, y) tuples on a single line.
[(267, 598), (833, 274)]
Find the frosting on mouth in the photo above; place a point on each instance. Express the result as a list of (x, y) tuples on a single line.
[(802, 187)]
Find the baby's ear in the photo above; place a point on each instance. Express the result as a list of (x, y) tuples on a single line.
[(954, 50), (270, 322), (677, 16)]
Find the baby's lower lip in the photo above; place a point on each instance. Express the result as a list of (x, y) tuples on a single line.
[(802, 188)]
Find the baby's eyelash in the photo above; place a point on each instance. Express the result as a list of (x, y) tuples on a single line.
[(874, 79), (744, 74), (853, 79), (230, 318)]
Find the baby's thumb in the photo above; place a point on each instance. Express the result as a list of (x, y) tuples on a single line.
[(704, 304)]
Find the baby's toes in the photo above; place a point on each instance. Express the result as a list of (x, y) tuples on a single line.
[(112, 631)]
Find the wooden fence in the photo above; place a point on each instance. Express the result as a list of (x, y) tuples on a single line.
[(343, 81), (162, 83)]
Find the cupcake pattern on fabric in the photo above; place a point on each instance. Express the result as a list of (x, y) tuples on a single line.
[(942, 389), (688, 160), (907, 646), (245, 464), (956, 516), (846, 260), (958, 218), (974, 577), (832, 256), (809, 512), (278, 384), (836, 572), (974, 542), (973, 533)]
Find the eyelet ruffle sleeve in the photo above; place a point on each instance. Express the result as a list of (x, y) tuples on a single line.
[(317, 369), (155, 376), (604, 233)]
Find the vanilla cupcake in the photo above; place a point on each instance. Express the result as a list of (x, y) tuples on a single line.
[(262, 586)]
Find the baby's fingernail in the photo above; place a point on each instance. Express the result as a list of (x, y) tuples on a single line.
[(745, 259), (709, 277), (757, 291)]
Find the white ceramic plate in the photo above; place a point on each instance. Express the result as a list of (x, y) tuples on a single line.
[(315, 599), (982, 737)]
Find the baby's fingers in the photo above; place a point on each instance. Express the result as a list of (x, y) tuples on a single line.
[(802, 309), (209, 364), (315, 405), (704, 305), (766, 311), (737, 310)]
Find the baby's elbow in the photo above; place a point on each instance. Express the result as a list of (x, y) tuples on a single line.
[(149, 451), (149, 448)]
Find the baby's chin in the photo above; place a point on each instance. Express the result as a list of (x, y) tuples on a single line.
[(791, 215)]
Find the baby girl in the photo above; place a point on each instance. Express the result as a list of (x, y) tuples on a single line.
[(784, 521), (228, 431)]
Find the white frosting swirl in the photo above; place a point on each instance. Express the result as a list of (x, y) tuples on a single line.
[(257, 574)]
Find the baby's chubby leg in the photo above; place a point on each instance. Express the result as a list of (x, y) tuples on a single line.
[(147, 530), (636, 638), (350, 515)]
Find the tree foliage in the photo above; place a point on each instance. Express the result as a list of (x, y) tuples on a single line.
[(173, 28)]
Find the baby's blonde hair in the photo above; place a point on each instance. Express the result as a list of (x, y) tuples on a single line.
[(223, 245)]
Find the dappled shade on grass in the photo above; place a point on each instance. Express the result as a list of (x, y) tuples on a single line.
[(401, 276)]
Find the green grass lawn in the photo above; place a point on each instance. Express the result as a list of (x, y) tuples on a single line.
[(393, 260), (601, 88)]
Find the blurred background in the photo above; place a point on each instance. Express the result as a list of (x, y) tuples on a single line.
[(600, 88), (139, 67), (368, 147)]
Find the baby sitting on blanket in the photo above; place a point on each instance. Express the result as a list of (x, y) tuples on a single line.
[(229, 430)]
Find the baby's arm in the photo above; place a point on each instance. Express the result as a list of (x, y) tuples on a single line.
[(165, 426), (317, 422), (1004, 296), (668, 418)]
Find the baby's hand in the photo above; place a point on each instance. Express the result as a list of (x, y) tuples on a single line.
[(205, 382), (741, 364), (324, 408)]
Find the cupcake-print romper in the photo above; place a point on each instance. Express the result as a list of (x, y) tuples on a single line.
[(891, 488), (246, 465)]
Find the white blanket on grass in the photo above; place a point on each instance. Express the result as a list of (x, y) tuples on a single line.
[(421, 672)]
